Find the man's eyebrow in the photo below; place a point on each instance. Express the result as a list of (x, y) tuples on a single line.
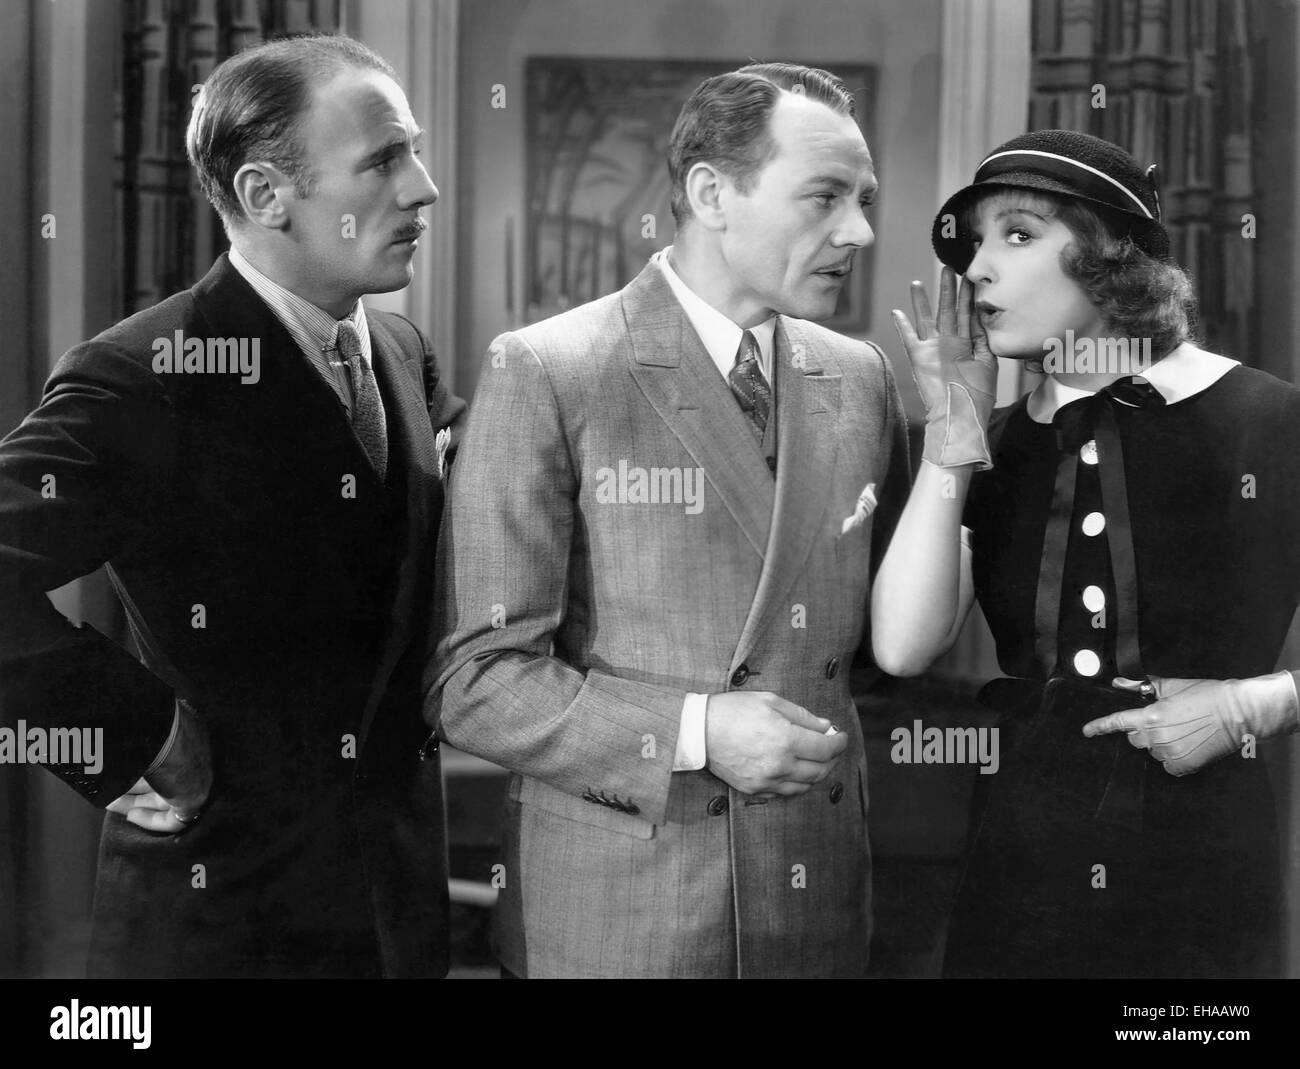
[(393, 145), (834, 181), (842, 185)]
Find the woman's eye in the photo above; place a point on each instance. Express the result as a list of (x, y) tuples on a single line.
[(1018, 235), (824, 199)]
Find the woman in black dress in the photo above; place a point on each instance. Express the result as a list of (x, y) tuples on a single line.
[(1131, 528)]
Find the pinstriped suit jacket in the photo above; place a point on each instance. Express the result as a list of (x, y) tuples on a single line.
[(580, 604)]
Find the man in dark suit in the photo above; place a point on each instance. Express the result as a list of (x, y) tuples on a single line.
[(258, 461)]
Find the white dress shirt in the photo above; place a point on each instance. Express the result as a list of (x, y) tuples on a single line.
[(314, 329)]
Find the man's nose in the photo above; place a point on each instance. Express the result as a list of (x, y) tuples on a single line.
[(421, 191), (855, 231)]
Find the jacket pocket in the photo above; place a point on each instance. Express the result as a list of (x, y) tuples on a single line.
[(533, 792)]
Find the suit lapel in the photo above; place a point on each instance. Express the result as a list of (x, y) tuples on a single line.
[(313, 430), (807, 408), (413, 460), (291, 396), (670, 365)]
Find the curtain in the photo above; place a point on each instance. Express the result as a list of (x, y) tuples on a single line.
[(169, 234), (1172, 81)]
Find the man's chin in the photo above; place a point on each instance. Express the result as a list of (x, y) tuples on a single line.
[(390, 281), (816, 311)]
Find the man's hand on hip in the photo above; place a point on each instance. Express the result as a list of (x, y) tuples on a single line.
[(170, 799), (760, 743)]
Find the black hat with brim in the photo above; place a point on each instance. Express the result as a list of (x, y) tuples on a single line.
[(1068, 164)]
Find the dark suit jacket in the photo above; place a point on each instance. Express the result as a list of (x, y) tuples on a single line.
[(321, 851)]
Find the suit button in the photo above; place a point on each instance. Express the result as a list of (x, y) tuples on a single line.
[(739, 676), (832, 668), (717, 806), (837, 792)]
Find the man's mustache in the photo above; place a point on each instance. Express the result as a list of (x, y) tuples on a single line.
[(412, 230)]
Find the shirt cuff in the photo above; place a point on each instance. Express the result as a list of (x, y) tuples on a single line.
[(165, 752), (691, 756), (1295, 699)]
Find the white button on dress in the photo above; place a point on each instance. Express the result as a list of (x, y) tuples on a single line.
[(1087, 663)]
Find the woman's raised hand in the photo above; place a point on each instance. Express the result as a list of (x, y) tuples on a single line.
[(954, 371)]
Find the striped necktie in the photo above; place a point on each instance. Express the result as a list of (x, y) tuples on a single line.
[(749, 387), (367, 406)]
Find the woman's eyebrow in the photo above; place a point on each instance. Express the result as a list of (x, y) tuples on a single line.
[(1019, 211)]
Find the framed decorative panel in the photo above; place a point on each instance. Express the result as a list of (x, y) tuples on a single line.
[(597, 184)]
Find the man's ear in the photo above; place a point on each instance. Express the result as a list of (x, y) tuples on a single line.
[(706, 190), (263, 192)]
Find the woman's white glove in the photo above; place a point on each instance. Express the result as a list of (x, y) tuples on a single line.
[(954, 371), (1196, 722)]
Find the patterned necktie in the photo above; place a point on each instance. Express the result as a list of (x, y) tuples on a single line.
[(751, 390), (367, 406)]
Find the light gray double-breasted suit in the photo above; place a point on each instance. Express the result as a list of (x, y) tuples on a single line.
[(589, 578)]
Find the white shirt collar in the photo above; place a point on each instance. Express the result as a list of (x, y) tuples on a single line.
[(311, 327), (719, 335), (1182, 374)]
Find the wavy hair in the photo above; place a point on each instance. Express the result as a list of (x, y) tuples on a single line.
[(1137, 295)]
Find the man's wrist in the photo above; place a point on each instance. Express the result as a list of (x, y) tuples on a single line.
[(692, 754), (1287, 709), (169, 745)]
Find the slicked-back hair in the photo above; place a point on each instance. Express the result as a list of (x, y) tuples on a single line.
[(726, 122), (251, 108)]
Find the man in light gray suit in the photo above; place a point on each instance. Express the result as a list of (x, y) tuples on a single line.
[(655, 565)]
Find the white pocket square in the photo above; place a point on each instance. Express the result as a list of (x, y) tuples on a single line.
[(440, 443), (865, 506)]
